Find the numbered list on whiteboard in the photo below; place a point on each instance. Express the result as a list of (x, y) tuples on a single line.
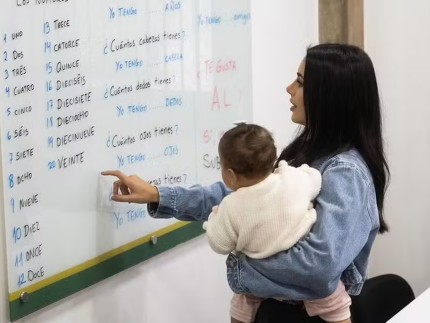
[(146, 87)]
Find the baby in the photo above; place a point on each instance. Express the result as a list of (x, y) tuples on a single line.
[(268, 212)]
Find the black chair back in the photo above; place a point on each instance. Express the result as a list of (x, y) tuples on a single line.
[(381, 299)]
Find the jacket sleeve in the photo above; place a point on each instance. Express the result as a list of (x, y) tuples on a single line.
[(313, 267), (188, 204), (222, 237)]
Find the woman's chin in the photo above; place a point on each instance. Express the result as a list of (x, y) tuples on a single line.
[(296, 119)]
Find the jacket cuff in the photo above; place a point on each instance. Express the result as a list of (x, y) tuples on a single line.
[(165, 208)]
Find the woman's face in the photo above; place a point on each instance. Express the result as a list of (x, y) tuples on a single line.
[(295, 89)]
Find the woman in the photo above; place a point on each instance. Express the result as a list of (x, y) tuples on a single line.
[(335, 98)]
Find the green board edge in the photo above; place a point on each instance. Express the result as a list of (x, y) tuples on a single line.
[(88, 277)]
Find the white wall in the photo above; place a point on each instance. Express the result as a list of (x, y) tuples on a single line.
[(281, 34), (188, 284), (397, 37)]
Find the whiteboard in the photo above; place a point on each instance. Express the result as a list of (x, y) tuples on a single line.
[(147, 87)]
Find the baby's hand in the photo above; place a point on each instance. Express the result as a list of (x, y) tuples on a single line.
[(214, 211)]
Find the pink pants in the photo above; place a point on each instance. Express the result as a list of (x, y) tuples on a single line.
[(333, 308)]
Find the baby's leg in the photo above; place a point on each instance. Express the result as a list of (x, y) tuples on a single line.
[(244, 308), (334, 308)]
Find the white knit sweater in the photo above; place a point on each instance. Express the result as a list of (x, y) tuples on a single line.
[(266, 218)]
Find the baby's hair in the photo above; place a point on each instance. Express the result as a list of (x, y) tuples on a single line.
[(249, 150)]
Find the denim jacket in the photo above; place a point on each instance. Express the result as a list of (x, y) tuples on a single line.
[(337, 247)]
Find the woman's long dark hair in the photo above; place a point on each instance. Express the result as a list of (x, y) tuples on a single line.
[(343, 111)]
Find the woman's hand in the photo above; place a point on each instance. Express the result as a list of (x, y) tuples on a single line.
[(132, 189)]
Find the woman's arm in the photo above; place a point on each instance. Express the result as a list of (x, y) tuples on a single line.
[(188, 204), (313, 267)]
